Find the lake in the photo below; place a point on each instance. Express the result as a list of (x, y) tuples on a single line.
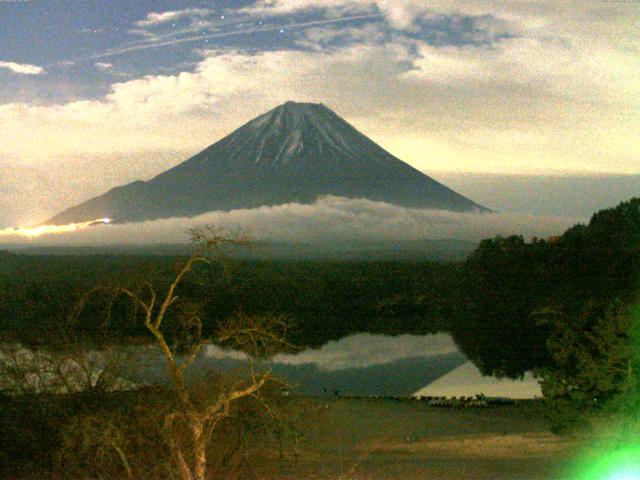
[(360, 364)]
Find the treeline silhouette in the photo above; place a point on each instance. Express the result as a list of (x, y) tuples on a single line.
[(326, 300), (511, 283)]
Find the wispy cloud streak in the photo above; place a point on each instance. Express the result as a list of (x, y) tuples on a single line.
[(234, 33), (154, 18), (22, 68)]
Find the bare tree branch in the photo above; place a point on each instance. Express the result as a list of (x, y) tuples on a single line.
[(259, 337)]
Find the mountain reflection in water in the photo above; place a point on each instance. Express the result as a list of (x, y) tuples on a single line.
[(361, 364)]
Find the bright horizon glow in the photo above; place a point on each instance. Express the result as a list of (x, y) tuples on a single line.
[(33, 232)]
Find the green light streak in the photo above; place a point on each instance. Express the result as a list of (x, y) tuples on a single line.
[(620, 464), (615, 455)]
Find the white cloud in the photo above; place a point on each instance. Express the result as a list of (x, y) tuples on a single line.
[(146, 34), (318, 38), (403, 14), (557, 67), (162, 112), (330, 219), (159, 41), (285, 7), (511, 109), (22, 68), (103, 65), (587, 18), (155, 18), (400, 14)]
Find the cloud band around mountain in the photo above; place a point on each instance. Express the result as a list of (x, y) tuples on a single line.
[(330, 219)]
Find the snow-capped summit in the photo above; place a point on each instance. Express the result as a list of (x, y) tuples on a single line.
[(296, 152), (302, 136)]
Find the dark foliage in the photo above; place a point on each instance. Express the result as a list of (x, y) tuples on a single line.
[(594, 364), (325, 300), (509, 280), (84, 435)]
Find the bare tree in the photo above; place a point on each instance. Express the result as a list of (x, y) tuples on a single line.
[(259, 337)]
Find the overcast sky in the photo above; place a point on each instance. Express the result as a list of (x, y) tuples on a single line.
[(95, 93)]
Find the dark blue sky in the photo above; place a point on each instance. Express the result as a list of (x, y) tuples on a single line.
[(47, 32), (67, 38)]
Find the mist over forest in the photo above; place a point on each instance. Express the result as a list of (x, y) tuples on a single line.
[(329, 220), (488, 301)]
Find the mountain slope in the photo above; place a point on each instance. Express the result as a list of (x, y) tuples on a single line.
[(293, 153)]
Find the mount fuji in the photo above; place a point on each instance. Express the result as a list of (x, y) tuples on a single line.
[(296, 152)]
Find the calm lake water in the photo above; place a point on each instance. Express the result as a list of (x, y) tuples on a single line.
[(361, 364)]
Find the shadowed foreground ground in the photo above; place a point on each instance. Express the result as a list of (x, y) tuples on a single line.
[(386, 439), (375, 439)]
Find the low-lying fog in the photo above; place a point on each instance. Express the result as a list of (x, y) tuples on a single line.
[(329, 219)]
